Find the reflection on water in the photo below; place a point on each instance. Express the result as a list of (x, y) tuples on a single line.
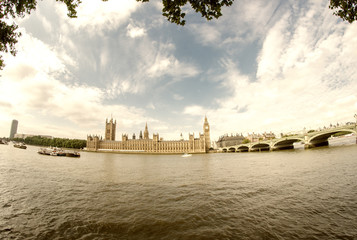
[(294, 194)]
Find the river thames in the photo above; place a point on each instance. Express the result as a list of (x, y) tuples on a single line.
[(294, 194)]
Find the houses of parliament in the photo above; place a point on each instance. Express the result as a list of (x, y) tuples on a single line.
[(144, 144)]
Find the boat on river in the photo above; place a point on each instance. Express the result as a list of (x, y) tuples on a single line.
[(20, 145), (51, 151), (73, 154), (57, 152), (186, 155), (45, 151)]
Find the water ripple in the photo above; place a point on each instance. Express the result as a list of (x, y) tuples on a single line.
[(282, 195)]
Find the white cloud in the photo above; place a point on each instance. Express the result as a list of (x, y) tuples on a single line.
[(206, 34), (46, 24), (151, 106), (33, 52), (194, 110), (119, 85), (96, 16), (135, 32), (273, 48), (243, 22), (148, 63), (178, 97), (303, 80), (165, 64), (104, 58), (31, 86)]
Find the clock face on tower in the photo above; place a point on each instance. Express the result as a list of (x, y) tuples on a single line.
[(206, 127)]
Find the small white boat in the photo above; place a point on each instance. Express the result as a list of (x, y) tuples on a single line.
[(186, 155)]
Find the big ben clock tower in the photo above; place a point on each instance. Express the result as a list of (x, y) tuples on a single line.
[(206, 132)]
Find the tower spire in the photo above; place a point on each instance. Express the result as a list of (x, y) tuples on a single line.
[(206, 131), (146, 132)]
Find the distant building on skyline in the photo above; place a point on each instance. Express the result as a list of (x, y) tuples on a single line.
[(227, 141), (202, 144), (13, 129), (233, 140), (254, 137), (14, 134)]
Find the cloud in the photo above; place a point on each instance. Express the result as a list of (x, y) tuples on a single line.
[(178, 97), (206, 34), (104, 58), (147, 64), (135, 32), (97, 16), (272, 50), (151, 106), (304, 78), (31, 60), (194, 110), (169, 65), (35, 88), (46, 24), (5, 105), (242, 23)]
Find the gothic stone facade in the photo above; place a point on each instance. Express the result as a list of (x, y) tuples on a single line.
[(227, 141), (146, 145)]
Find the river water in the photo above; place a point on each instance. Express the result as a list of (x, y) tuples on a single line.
[(293, 194)]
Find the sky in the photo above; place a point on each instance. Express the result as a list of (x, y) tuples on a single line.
[(278, 65)]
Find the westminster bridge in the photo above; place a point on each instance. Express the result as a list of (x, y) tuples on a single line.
[(310, 140)]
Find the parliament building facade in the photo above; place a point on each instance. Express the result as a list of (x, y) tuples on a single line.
[(144, 144)]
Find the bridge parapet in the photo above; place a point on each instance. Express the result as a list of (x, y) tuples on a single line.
[(320, 138), (339, 129)]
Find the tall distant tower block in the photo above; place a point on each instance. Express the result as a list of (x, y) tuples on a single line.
[(110, 129), (206, 132), (13, 130)]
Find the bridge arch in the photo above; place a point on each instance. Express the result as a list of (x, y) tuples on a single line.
[(260, 147), (321, 139), (243, 148), (232, 149), (285, 143)]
